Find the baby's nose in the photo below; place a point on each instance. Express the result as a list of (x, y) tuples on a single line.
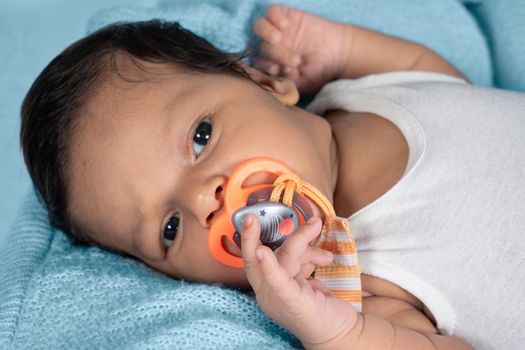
[(219, 200)]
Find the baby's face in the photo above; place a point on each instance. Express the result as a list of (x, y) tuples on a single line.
[(164, 146)]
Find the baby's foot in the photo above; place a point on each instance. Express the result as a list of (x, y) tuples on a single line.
[(308, 49)]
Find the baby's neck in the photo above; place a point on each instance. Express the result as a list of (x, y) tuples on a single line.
[(371, 157), (323, 170), (328, 187)]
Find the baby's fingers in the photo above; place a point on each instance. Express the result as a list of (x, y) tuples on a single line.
[(275, 69), (317, 285), (297, 243), (315, 256), (267, 66), (267, 31), (250, 241), (297, 252), (279, 54), (278, 15), (318, 256), (273, 276), (305, 263), (260, 263)]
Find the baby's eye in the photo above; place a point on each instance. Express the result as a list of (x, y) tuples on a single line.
[(170, 230), (202, 136)]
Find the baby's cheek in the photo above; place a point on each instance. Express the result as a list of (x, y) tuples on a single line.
[(192, 261)]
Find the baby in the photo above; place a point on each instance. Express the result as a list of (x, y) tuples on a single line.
[(130, 136)]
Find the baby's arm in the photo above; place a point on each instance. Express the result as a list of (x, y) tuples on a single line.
[(284, 291), (311, 50), (372, 332), (373, 52)]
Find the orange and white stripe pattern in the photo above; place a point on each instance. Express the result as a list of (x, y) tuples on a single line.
[(343, 275)]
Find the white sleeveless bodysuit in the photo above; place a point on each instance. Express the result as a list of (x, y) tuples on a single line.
[(452, 230)]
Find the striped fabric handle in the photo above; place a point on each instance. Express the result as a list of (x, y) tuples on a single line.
[(343, 275)]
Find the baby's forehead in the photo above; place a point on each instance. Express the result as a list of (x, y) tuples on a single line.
[(133, 69), (125, 90), (127, 120), (128, 78)]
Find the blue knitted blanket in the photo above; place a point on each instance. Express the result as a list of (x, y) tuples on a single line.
[(59, 296), (54, 295)]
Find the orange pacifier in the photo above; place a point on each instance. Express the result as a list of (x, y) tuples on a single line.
[(277, 220)]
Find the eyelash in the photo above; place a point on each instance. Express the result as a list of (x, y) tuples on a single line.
[(206, 117), (166, 241)]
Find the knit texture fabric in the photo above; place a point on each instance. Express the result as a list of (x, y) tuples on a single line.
[(54, 295), (442, 25), (343, 275), (59, 296)]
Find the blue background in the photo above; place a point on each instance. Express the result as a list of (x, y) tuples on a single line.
[(31, 34), (48, 286)]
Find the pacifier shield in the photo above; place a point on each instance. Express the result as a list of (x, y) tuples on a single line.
[(236, 196)]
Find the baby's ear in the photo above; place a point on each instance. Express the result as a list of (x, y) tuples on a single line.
[(281, 88)]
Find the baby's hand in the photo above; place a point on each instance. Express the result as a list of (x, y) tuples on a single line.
[(283, 287), (308, 49)]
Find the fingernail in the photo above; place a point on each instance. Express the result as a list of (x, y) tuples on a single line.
[(329, 254), (259, 254), (248, 220), (287, 69)]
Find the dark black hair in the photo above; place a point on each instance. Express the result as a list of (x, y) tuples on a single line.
[(54, 103)]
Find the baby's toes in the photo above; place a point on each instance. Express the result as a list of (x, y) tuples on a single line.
[(267, 31), (278, 15)]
